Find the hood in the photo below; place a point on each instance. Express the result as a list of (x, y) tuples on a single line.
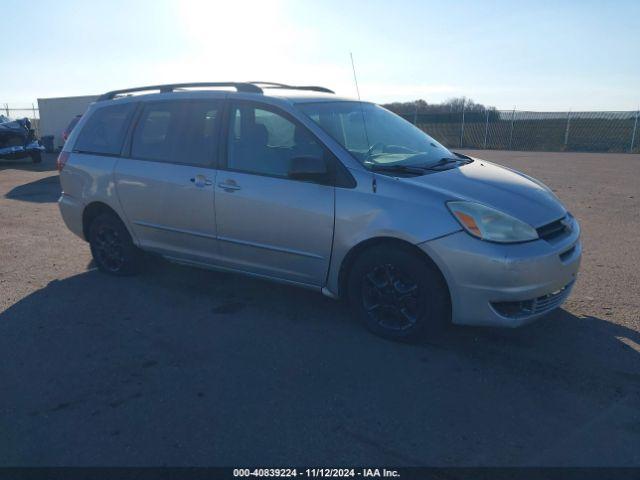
[(498, 187)]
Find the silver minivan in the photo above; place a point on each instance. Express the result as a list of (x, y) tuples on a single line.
[(297, 185)]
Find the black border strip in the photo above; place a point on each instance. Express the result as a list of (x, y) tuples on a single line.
[(406, 473)]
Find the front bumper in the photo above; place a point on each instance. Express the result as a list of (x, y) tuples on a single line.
[(506, 285)]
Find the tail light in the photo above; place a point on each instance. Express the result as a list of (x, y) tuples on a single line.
[(62, 160)]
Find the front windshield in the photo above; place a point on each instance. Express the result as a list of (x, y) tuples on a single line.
[(374, 135)]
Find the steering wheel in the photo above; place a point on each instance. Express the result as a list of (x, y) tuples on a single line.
[(376, 146)]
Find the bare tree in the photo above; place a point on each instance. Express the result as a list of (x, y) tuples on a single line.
[(452, 106)]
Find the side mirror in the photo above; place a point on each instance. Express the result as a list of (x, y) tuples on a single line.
[(309, 168)]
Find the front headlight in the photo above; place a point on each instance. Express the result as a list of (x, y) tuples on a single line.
[(489, 224)]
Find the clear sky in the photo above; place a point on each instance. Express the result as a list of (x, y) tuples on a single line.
[(538, 55)]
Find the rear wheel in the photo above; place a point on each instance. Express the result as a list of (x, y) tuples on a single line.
[(397, 294), (112, 247)]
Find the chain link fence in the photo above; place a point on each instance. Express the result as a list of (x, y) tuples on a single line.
[(502, 129), (534, 131)]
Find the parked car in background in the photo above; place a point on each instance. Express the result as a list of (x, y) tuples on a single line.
[(300, 186), (67, 131), (17, 140)]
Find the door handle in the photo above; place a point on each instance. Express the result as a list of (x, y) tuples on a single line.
[(229, 186), (201, 181)]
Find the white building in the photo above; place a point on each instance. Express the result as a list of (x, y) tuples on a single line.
[(56, 113)]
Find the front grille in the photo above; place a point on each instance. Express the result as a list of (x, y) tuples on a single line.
[(534, 306), (553, 230)]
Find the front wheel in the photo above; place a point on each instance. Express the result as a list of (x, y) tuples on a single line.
[(112, 247), (398, 294)]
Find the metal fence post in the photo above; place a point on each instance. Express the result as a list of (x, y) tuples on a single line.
[(486, 130), (566, 130), (36, 123), (633, 135), (6, 107), (462, 127), (513, 114)]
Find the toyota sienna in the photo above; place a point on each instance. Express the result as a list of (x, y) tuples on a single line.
[(297, 185)]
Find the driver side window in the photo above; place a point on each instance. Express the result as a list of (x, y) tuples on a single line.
[(264, 142)]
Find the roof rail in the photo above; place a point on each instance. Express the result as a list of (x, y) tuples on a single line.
[(313, 88), (240, 86), (247, 87)]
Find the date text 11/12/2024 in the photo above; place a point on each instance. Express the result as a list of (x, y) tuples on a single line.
[(316, 472)]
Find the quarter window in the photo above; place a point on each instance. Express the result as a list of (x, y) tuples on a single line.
[(264, 142), (104, 132)]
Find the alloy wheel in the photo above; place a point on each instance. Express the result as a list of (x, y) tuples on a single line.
[(109, 248), (390, 297)]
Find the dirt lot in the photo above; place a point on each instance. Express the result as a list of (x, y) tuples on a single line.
[(186, 367)]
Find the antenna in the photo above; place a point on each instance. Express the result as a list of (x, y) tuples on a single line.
[(364, 122), (355, 78)]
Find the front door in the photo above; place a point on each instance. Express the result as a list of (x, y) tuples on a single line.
[(268, 223), (166, 186)]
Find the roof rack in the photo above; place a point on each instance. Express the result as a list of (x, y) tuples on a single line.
[(240, 86), (247, 87), (313, 88)]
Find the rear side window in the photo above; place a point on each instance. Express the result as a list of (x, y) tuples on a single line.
[(104, 132), (157, 131), (177, 132)]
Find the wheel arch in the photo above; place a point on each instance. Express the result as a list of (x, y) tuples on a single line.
[(92, 211), (357, 250)]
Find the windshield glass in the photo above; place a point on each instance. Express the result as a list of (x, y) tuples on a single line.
[(374, 135)]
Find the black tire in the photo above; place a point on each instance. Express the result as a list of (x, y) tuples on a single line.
[(112, 247), (397, 293), (36, 157)]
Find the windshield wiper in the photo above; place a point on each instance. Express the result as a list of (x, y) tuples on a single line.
[(467, 158), (397, 168), (443, 161), (446, 161)]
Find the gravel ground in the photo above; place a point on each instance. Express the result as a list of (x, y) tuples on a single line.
[(180, 366)]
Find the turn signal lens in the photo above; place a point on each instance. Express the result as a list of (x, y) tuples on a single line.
[(468, 222)]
